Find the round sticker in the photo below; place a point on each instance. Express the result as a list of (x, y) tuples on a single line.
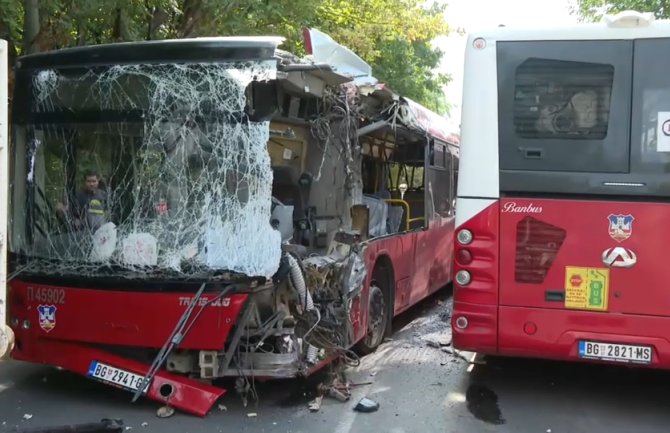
[(666, 128)]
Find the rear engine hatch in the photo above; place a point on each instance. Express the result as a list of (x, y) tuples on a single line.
[(585, 255)]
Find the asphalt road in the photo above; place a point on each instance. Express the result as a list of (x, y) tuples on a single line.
[(420, 388)]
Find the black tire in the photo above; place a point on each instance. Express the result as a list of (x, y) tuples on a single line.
[(6, 341), (378, 319)]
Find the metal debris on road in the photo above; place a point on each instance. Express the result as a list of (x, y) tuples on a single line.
[(165, 411), (252, 415), (437, 341), (315, 404), (433, 343), (339, 391), (473, 360), (366, 405)]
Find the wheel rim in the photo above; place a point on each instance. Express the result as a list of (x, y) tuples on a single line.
[(376, 316)]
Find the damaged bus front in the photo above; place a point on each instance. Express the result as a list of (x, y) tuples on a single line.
[(183, 211)]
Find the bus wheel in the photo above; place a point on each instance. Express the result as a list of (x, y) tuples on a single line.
[(6, 341), (378, 318)]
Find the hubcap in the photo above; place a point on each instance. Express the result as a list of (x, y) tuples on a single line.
[(6, 340), (376, 316)]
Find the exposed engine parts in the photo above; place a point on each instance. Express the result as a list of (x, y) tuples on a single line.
[(289, 324)]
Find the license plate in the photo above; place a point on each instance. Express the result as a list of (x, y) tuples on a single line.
[(116, 376), (615, 352)]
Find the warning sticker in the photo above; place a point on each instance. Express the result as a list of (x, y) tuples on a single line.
[(586, 288)]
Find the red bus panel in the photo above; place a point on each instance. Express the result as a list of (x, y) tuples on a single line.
[(597, 256)]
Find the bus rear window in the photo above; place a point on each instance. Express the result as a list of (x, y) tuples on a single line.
[(557, 99)]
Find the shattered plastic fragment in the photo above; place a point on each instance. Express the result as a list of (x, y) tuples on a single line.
[(252, 415), (165, 412), (366, 405), (27, 416), (315, 404)]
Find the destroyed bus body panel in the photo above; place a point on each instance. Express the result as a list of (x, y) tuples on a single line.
[(263, 215), (563, 196)]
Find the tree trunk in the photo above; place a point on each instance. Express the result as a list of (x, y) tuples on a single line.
[(157, 17), (120, 31), (189, 20), (31, 26)]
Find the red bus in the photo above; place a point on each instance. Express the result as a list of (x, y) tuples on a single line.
[(183, 211), (563, 192)]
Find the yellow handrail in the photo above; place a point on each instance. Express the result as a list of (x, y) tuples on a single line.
[(404, 204)]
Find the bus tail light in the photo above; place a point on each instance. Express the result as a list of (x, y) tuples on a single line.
[(461, 322), (464, 237), (464, 257), (463, 278)]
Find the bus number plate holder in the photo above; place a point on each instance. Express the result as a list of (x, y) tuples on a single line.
[(625, 353)]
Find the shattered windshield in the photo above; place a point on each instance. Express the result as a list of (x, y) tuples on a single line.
[(144, 168)]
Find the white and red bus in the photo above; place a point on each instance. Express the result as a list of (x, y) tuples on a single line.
[(264, 214), (564, 193)]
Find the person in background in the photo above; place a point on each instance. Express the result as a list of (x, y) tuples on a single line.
[(89, 209)]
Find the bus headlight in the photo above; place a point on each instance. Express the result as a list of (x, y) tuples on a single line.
[(464, 237), (463, 278)]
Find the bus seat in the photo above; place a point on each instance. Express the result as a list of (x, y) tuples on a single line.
[(378, 214), (396, 219), (286, 189)]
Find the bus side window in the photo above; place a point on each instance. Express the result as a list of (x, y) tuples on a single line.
[(438, 182)]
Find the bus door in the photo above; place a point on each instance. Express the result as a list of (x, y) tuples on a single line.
[(406, 216), (436, 240)]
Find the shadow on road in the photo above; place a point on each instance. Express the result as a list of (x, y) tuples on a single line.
[(528, 391)]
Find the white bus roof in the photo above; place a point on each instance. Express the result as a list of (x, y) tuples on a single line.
[(623, 26)]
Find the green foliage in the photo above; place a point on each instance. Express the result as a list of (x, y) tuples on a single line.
[(394, 36), (593, 10)]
